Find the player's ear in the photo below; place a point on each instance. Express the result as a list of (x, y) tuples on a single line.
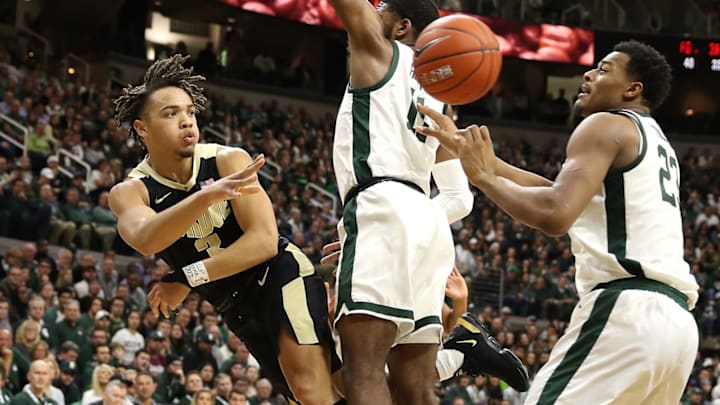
[(140, 127), (634, 89), (403, 28)]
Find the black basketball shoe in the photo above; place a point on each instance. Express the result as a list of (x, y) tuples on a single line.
[(484, 355)]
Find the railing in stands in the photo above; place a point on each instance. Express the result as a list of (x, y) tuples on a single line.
[(215, 134), (68, 155), (81, 62), (22, 129), (13, 142), (330, 196)]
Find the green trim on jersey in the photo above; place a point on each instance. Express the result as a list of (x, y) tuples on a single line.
[(361, 136), (428, 320), (579, 350), (385, 79), (346, 271), (615, 203), (616, 228), (640, 156)]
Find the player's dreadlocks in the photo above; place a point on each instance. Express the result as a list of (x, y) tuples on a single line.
[(168, 72)]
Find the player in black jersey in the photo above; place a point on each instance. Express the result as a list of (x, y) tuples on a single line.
[(202, 210)]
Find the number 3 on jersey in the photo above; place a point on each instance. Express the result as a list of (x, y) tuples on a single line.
[(669, 169)]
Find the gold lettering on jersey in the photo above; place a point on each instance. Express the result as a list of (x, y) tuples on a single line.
[(213, 217)]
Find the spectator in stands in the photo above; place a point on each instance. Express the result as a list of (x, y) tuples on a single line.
[(264, 393), (145, 387), (36, 312), (137, 297), (89, 274), (5, 314), (39, 376), (193, 384), (5, 394), (78, 212), (28, 219), (206, 60), (201, 353), (27, 335), (237, 397), (129, 337), (67, 329), (15, 364), (104, 222), (203, 397), (14, 289), (39, 145), (100, 379), (171, 381), (66, 382)]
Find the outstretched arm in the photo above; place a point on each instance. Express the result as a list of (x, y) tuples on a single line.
[(554, 208), (150, 232), (370, 52)]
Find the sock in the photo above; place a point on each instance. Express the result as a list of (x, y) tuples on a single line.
[(342, 401), (448, 363)]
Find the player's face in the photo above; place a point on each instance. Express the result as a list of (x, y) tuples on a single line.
[(169, 122), (605, 87)]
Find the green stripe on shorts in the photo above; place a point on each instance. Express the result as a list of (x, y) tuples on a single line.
[(589, 334), (346, 270)]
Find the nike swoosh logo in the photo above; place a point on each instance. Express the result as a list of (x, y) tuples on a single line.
[(472, 342), (159, 200), (435, 41), (261, 282)]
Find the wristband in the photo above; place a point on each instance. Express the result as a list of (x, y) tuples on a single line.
[(196, 274)]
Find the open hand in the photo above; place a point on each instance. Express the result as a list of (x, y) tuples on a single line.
[(241, 182), (332, 253), (456, 288), (472, 145), (165, 297)]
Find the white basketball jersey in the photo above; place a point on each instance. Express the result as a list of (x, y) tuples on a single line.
[(374, 133), (632, 226)]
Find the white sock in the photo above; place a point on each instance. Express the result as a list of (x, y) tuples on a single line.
[(448, 362)]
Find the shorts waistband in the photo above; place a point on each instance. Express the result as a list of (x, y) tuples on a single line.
[(371, 181), (646, 284)]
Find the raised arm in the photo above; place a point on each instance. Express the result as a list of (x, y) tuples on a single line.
[(370, 52), (150, 232)]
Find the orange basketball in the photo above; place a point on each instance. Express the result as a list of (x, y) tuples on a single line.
[(457, 59)]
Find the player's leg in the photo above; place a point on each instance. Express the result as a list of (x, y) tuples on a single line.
[(374, 303), (307, 371), (305, 342), (366, 342), (412, 373)]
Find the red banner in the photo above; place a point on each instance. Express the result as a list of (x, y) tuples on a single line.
[(541, 42)]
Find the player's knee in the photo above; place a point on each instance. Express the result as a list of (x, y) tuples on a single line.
[(312, 393)]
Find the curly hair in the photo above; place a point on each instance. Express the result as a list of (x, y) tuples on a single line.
[(168, 72), (649, 67)]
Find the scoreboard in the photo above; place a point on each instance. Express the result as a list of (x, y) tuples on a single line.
[(685, 55), (700, 55)]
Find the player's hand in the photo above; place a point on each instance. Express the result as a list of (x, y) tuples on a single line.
[(330, 303), (456, 288), (165, 297), (332, 253), (472, 145), (241, 182)]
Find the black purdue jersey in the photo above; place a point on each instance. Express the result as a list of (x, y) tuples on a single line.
[(213, 231)]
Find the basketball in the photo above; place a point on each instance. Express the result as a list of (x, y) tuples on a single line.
[(457, 59)]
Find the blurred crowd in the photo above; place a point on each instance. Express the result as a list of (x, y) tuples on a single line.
[(82, 325)]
